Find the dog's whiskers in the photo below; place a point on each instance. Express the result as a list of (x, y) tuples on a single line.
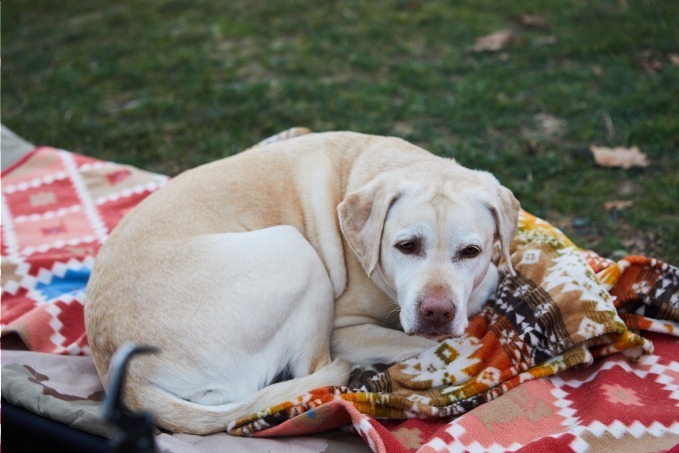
[(395, 311)]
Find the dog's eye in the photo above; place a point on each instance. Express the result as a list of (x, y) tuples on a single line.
[(409, 247), (470, 251)]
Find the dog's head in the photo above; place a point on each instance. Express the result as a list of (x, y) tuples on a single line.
[(425, 235)]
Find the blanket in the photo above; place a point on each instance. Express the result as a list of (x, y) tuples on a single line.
[(568, 318), (57, 210)]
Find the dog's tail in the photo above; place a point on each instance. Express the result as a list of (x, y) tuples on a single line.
[(179, 415)]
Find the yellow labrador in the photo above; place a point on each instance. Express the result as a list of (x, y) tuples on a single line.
[(286, 261)]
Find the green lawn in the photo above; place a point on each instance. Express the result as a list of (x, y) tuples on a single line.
[(169, 85)]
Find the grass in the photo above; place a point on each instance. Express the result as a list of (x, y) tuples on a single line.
[(169, 85)]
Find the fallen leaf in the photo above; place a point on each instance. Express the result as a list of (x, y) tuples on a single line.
[(493, 42), (531, 21), (618, 156), (674, 59), (618, 205)]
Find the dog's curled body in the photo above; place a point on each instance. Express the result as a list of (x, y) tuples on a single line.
[(290, 258)]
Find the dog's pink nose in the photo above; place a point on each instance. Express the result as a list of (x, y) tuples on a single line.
[(437, 311)]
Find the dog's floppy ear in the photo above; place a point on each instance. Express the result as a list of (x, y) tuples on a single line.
[(361, 217), (505, 209)]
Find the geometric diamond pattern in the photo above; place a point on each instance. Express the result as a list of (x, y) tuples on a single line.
[(615, 402), (620, 399), (57, 210), (70, 286)]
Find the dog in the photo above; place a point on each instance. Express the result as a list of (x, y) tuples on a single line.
[(266, 274)]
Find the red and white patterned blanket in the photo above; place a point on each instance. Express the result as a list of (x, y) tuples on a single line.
[(58, 208)]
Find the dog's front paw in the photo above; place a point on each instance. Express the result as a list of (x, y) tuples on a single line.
[(367, 344), (413, 346), (363, 374)]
